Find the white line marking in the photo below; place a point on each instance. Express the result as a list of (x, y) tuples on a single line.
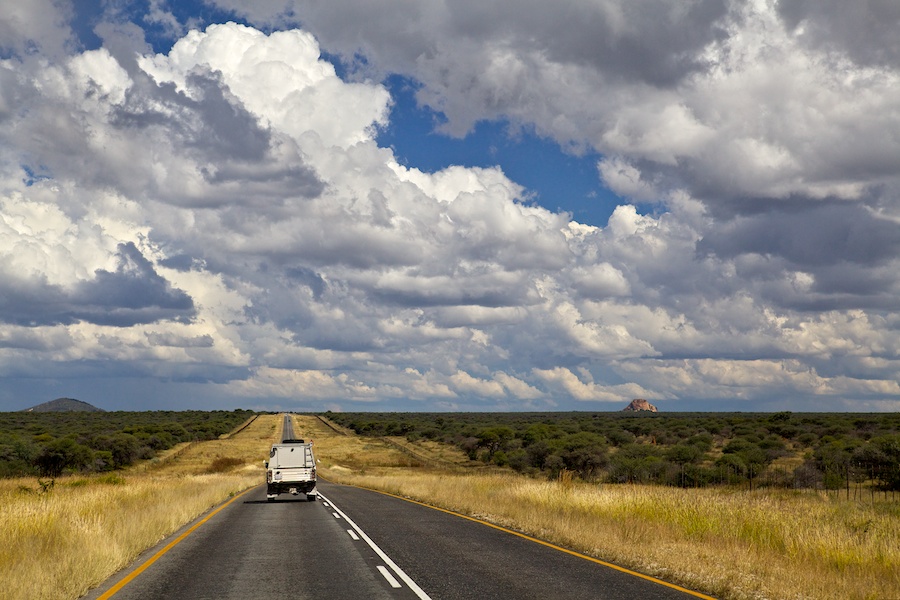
[(353, 535), (387, 575), (336, 516), (419, 592), (324, 504)]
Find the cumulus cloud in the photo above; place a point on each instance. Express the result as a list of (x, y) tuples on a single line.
[(732, 101), (565, 381), (221, 212), (866, 31), (35, 28)]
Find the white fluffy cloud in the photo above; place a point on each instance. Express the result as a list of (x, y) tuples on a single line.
[(38, 26), (734, 101), (221, 216)]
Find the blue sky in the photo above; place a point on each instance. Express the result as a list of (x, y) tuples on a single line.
[(556, 180), (300, 205)]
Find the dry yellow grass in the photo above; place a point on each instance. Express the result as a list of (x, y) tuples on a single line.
[(62, 542), (734, 545), (731, 544), (342, 451)]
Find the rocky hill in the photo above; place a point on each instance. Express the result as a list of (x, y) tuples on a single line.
[(639, 404), (64, 405)]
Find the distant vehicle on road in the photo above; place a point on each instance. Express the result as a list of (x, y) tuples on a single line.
[(291, 469)]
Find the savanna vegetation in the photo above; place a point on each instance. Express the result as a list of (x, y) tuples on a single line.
[(731, 542), (60, 537), (48, 444), (852, 452)]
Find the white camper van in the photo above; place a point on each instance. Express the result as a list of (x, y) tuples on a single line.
[(291, 468)]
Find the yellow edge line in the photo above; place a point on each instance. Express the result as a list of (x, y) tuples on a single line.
[(549, 545), (131, 576)]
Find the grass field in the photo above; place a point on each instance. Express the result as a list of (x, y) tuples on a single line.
[(727, 543), (59, 542)]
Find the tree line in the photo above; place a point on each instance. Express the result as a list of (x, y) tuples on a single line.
[(48, 444), (785, 449)]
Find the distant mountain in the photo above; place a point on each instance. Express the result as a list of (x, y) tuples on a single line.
[(639, 404), (64, 405)]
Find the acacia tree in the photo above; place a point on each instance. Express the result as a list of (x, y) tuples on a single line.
[(62, 454), (493, 439)]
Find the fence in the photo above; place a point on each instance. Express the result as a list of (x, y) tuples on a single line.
[(858, 481)]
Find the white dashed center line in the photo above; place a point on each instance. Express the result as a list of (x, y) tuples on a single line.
[(387, 575), (419, 592)]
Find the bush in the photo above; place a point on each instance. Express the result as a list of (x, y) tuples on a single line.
[(500, 458), (554, 464), (807, 476), (587, 461), (682, 454), (520, 462), (61, 455), (886, 467), (493, 439), (620, 437), (124, 448), (637, 463), (537, 453), (732, 464)]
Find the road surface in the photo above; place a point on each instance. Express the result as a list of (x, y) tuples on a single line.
[(356, 543), (291, 548)]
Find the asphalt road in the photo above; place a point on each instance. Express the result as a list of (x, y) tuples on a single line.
[(356, 543), (291, 548), (287, 428)]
